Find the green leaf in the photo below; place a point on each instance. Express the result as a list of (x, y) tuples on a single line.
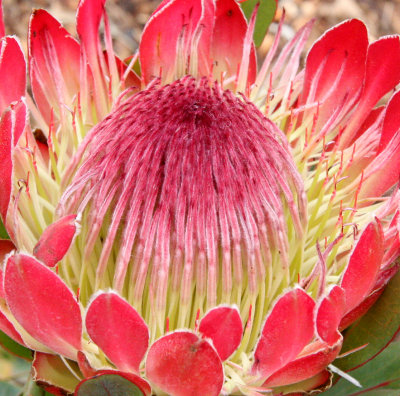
[(265, 15), (7, 389), (376, 328), (380, 376), (106, 385), (16, 349), (136, 67), (3, 233)]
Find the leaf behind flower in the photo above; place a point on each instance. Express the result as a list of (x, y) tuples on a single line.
[(265, 15), (376, 365)]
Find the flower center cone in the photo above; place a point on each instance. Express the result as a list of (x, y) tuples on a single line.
[(190, 198)]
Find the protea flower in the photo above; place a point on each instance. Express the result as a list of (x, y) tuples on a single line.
[(195, 228)]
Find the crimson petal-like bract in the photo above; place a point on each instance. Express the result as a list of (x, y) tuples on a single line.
[(335, 68), (227, 45), (383, 171), (382, 74), (182, 364), (223, 326), (362, 270), (54, 318), (55, 241), (174, 29), (12, 125), (316, 357), (13, 72), (53, 66), (330, 312), (288, 329), (118, 330)]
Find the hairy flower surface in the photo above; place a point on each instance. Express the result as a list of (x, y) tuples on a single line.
[(198, 228)]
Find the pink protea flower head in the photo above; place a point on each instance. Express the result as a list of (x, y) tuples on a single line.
[(190, 173), (200, 228)]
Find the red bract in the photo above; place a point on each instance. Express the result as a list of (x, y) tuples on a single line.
[(224, 327), (56, 321), (291, 317), (199, 228), (181, 363), (55, 241), (116, 327), (193, 38)]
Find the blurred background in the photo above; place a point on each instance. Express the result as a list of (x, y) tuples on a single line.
[(129, 16), (127, 20)]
